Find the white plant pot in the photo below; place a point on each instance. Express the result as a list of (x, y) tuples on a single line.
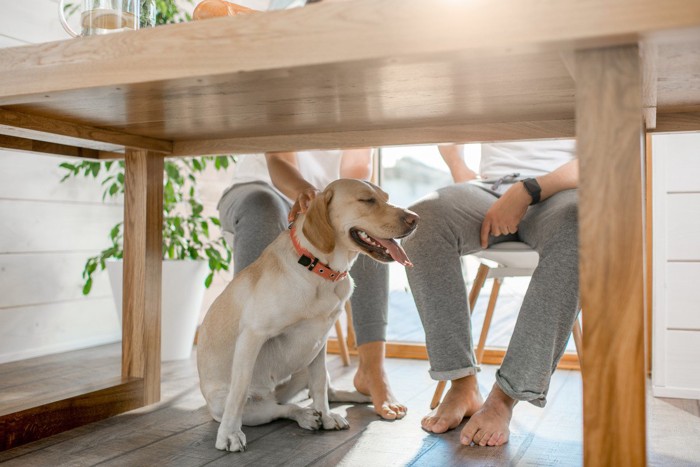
[(181, 302)]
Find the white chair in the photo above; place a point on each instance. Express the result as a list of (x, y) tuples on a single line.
[(507, 259)]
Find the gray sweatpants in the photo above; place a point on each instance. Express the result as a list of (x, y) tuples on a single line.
[(450, 227), (256, 214)]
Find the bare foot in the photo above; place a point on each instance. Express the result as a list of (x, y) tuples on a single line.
[(489, 425), (371, 380), (462, 400)]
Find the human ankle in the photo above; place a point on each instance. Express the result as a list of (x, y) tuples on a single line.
[(466, 383), (499, 397), (371, 356)]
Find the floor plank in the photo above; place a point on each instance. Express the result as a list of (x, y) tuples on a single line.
[(179, 431)]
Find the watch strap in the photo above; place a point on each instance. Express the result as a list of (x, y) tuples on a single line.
[(533, 188)]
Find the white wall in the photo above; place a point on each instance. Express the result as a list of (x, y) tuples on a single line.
[(676, 319), (49, 229)]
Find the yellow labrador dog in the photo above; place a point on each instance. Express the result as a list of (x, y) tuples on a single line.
[(263, 339)]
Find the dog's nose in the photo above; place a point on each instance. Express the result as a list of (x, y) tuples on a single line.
[(410, 218)]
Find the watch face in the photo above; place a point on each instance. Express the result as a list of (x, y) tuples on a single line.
[(533, 189), (532, 185)]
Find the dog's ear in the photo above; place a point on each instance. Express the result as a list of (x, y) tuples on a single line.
[(317, 224)]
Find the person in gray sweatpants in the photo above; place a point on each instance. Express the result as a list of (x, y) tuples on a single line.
[(462, 219)]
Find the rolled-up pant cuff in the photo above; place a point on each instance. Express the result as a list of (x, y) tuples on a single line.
[(373, 332), (454, 374), (534, 398)]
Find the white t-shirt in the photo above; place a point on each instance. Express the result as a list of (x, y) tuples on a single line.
[(528, 158), (319, 168)]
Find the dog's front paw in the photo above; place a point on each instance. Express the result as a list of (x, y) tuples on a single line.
[(309, 419), (230, 441), (333, 421)]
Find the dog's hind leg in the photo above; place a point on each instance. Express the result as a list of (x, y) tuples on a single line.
[(292, 390), (261, 411), (216, 401)]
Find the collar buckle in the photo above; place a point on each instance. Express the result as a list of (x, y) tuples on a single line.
[(313, 264)]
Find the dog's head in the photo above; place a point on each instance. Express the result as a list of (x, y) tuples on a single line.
[(357, 216)]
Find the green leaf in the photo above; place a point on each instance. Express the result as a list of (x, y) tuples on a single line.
[(88, 286), (194, 254), (115, 231), (172, 171), (208, 280)]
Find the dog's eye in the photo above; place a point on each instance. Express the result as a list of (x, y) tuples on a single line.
[(369, 200)]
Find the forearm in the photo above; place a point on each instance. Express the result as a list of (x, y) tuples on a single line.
[(563, 178), (452, 155), (285, 174), (356, 163)]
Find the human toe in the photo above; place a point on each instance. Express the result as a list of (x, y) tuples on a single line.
[(386, 412), (493, 440), (468, 433), (485, 438), (399, 409)]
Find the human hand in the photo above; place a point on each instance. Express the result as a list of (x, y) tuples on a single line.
[(504, 216), (302, 203)]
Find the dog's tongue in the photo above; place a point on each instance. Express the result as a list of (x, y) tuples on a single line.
[(395, 251)]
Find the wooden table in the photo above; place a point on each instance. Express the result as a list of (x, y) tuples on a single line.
[(374, 73)]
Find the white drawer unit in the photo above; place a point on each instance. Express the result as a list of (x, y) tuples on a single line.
[(676, 270)]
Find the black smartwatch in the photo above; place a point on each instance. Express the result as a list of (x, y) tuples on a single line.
[(533, 189)]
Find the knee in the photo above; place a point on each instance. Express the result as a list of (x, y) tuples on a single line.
[(560, 227), (261, 204), (431, 211), (565, 214)]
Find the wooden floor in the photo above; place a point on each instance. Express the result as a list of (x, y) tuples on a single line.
[(179, 432)]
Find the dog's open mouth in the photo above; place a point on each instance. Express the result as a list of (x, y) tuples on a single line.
[(381, 249)]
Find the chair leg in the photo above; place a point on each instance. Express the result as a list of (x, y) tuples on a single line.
[(479, 280), (578, 340), (478, 284), (438, 394), (352, 341), (487, 319), (344, 354)]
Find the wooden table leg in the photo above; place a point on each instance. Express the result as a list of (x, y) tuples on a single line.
[(609, 132), (143, 224)]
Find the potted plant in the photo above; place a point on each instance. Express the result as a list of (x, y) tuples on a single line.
[(187, 234)]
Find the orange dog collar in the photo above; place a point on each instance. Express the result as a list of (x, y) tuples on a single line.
[(310, 262)]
